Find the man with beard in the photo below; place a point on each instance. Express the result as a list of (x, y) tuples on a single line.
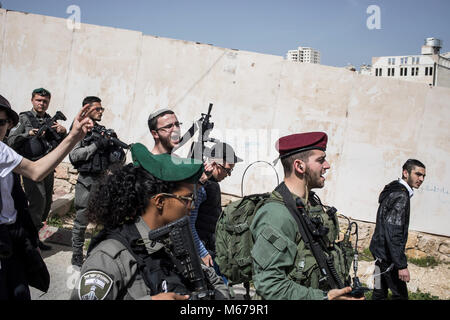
[(284, 267), (391, 232), (92, 157), (165, 129)]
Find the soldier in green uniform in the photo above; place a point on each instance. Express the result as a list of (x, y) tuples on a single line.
[(283, 267), (39, 193), (142, 196)]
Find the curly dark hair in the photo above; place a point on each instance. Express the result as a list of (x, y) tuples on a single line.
[(123, 195)]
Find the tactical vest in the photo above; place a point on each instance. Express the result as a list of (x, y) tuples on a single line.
[(157, 269), (96, 164), (305, 270), (35, 147)]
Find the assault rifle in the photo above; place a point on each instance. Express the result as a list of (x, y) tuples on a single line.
[(198, 148), (312, 236), (179, 244), (50, 133), (103, 133), (45, 140)]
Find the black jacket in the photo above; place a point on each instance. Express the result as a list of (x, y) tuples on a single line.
[(208, 214), (391, 230)]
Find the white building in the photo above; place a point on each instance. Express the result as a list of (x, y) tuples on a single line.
[(304, 54), (429, 67)]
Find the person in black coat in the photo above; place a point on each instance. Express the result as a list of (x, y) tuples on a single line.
[(391, 232)]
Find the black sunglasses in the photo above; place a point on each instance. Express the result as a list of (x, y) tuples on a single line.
[(4, 121)]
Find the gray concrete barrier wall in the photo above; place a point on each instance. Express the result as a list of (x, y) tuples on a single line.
[(373, 124)]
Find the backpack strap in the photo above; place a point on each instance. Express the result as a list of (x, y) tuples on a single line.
[(326, 265)]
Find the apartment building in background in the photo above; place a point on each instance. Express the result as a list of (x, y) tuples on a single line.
[(429, 67), (304, 54)]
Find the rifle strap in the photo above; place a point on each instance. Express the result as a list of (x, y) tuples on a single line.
[(307, 238)]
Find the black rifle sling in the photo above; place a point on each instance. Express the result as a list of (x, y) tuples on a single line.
[(326, 268)]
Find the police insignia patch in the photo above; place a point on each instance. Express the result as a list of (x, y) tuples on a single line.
[(94, 285)]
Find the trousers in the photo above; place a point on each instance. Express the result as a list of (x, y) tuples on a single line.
[(388, 280), (39, 195)]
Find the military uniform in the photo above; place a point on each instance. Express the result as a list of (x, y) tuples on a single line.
[(40, 193), (122, 262), (111, 272), (283, 268), (91, 161)]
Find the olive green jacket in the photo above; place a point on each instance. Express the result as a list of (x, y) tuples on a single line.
[(283, 268)]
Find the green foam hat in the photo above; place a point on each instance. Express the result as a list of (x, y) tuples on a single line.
[(166, 167)]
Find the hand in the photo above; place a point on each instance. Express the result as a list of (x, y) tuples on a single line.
[(342, 294), (208, 260), (403, 275), (59, 128), (102, 143), (169, 296), (82, 123), (33, 132)]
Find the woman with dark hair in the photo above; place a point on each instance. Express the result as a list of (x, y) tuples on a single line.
[(122, 263)]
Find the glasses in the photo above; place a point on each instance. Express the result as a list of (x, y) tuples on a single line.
[(188, 201), (170, 126), (4, 121), (227, 170), (98, 109)]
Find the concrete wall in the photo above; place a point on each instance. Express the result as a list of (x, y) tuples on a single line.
[(374, 124)]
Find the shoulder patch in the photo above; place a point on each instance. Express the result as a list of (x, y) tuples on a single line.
[(94, 285)]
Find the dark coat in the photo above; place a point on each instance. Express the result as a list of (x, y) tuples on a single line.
[(391, 230)]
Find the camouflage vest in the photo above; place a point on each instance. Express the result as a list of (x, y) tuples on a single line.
[(305, 270)]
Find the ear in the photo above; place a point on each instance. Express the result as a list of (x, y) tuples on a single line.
[(154, 134), (158, 201), (299, 166), (405, 174)]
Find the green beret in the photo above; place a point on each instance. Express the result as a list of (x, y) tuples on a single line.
[(42, 92), (165, 166)]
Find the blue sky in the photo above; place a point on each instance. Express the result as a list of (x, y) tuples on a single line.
[(337, 28)]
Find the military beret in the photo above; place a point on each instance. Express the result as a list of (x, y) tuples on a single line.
[(299, 142), (42, 92), (4, 105), (157, 113), (165, 166)]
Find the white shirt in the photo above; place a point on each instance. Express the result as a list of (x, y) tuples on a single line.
[(410, 190), (9, 159)]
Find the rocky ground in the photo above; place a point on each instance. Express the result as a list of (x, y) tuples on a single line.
[(432, 280)]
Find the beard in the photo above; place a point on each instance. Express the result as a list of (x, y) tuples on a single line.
[(171, 141), (314, 179)]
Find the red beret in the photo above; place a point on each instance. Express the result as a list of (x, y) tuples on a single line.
[(299, 142)]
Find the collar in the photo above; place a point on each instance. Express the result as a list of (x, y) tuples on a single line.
[(410, 190), (36, 115), (144, 229)]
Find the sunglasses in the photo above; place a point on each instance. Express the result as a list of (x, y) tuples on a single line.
[(189, 202), (170, 126), (4, 122), (227, 170), (98, 109)]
